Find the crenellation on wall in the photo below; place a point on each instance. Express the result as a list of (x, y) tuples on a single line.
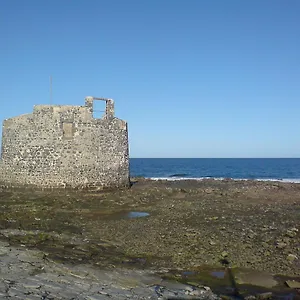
[(64, 146)]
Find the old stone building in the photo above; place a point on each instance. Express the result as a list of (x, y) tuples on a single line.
[(65, 146)]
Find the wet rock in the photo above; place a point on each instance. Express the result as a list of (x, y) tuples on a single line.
[(59, 281), (264, 296), (224, 254), (254, 277), (251, 235), (4, 250), (265, 245), (104, 293), (291, 233), (281, 245), (209, 190), (189, 289), (196, 293), (175, 292), (293, 284), (292, 257)]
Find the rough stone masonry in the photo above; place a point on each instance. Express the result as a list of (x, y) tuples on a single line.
[(65, 146)]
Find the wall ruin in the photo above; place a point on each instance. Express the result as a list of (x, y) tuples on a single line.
[(64, 146)]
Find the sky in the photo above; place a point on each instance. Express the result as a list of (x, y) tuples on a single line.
[(193, 78)]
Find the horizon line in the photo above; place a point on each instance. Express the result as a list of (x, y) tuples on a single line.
[(215, 157)]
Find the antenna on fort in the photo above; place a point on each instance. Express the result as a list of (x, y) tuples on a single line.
[(50, 89)]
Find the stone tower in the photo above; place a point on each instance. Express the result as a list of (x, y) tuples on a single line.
[(65, 146)]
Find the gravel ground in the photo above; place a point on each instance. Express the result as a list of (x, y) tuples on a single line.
[(189, 225)]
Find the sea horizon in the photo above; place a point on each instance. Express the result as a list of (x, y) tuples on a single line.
[(214, 157), (263, 169)]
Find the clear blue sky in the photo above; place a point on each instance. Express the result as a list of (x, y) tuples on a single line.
[(193, 78)]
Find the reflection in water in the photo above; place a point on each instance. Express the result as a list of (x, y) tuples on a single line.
[(228, 282), (188, 273), (137, 214), (218, 274)]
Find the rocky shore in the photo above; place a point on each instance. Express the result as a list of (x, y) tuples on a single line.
[(188, 231), (28, 274)]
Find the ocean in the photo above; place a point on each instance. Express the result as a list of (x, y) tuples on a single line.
[(274, 169)]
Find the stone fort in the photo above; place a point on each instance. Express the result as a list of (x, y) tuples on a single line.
[(65, 146)]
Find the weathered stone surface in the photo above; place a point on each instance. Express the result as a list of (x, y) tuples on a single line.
[(293, 284), (265, 296), (292, 257), (65, 146), (256, 278), (83, 281)]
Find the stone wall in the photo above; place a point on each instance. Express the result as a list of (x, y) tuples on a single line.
[(64, 146)]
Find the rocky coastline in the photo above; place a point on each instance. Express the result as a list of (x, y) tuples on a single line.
[(169, 231)]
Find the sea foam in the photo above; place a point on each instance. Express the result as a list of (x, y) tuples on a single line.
[(288, 180)]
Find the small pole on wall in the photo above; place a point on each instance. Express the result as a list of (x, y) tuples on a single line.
[(50, 89)]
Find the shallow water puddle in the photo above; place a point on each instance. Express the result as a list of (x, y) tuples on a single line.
[(115, 215), (188, 273), (236, 281), (127, 215), (137, 214), (218, 274), (119, 215)]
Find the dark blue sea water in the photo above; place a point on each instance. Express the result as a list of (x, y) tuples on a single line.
[(283, 169)]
